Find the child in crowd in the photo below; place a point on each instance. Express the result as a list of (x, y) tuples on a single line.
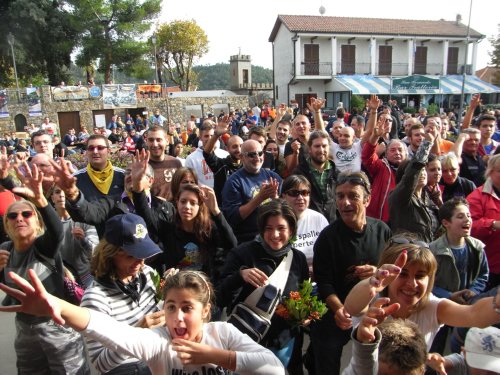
[(187, 343), (462, 265), (394, 347), (481, 355)]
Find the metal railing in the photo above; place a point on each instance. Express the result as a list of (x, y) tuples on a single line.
[(316, 69)]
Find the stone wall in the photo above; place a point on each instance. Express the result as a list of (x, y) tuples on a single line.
[(176, 108)]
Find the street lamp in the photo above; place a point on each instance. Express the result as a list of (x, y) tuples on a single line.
[(154, 40), (10, 40)]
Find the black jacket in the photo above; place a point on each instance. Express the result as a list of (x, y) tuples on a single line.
[(328, 206)]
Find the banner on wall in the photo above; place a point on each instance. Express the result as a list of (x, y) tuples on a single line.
[(70, 93), (34, 102), (119, 96), (4, 110)]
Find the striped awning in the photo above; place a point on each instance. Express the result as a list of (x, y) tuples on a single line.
[(364, 84), (452, 84)]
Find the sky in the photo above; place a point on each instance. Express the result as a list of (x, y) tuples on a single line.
[(245, 25)]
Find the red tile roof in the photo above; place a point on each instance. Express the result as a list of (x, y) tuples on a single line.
[(353, 25)]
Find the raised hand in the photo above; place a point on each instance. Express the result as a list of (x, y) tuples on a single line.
[(64, 178), (316, 104), (475, 101), (138, 168), (4, 163), (281, 110), (387, 273), (34, 298), (208, 195), (223, 126), (373, 103), (31, 181), (375, 315)]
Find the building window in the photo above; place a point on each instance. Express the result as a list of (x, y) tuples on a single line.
[(420, 60), (452, 67), (311, 59), (245, 76), (348, 59), (385, 60)]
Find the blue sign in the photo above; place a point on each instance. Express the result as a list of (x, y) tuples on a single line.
[(95, 91)]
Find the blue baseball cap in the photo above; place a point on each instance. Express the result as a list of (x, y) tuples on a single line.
[(129, 232)]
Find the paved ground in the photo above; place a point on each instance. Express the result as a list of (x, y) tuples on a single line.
[(8, 355)]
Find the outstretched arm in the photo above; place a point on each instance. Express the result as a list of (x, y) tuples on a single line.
[(35, 300)]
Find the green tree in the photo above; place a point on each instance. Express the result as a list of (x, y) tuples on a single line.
[(44, 35), (180, 43), (110, 32), (495, 54)]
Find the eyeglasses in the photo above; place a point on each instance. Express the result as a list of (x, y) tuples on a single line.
[(354, 180), (98, 148), (296, 193), (253, 154), (407, 241), (24, 214)]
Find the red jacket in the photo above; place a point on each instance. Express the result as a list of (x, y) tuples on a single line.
[(484, 207), (383, 181)]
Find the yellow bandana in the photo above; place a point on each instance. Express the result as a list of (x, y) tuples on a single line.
[(101, 179)]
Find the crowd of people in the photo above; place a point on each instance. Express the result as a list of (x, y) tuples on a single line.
[(395, 218)]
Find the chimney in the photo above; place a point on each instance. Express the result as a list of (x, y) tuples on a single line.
[(459, 19)]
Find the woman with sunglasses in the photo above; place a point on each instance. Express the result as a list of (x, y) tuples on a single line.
[(406, 274), (296, 190), (36, 234)]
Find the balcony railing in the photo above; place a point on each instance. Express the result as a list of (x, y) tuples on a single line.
[(316, 69)]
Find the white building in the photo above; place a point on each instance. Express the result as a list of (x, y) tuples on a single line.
[(335, 57)]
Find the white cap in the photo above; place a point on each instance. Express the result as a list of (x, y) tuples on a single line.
[(482, 348)]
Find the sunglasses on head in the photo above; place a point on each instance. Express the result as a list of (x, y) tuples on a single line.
[(24, 214), (253, 154), (295, 193), (354, 180), (407, 241), (98, 148)]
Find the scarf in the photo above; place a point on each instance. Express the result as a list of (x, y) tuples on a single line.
[(271, 252), (101, 179)]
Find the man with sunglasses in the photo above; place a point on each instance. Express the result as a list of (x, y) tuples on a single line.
[(345, 252), (99, 178), (246, 189)]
